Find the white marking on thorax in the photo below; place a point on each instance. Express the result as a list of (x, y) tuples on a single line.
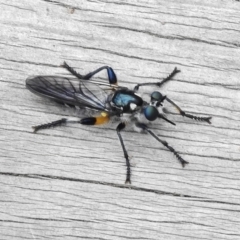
[(133, 106)]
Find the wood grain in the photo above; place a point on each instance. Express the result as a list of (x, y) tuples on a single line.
[(68, 183)]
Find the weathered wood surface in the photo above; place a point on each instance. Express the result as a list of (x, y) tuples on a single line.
[(67, 183)]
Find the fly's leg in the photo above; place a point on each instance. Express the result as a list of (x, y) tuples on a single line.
[(102, 119), (119, 128), (180, 159), (112, 78), (159, 84), (60, 122), (181, 112)]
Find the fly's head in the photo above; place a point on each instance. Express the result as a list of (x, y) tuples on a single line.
[(150, 110)]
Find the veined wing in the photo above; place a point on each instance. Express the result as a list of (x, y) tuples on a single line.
[(70, 91)]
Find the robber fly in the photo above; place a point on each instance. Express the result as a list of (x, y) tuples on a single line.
[(107, 101)]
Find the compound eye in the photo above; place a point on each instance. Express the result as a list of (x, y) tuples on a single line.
[(151, 113), (156, 96)]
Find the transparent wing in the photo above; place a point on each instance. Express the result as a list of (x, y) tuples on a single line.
[(92, 94), (69, 90)]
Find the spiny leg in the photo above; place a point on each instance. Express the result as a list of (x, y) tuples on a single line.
[(111, 74), (120, 127), (103, 118), (202, 119), (144, 127), (159, 84), (60, 122)]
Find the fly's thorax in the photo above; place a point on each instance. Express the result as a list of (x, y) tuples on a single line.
[(126, 100)]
